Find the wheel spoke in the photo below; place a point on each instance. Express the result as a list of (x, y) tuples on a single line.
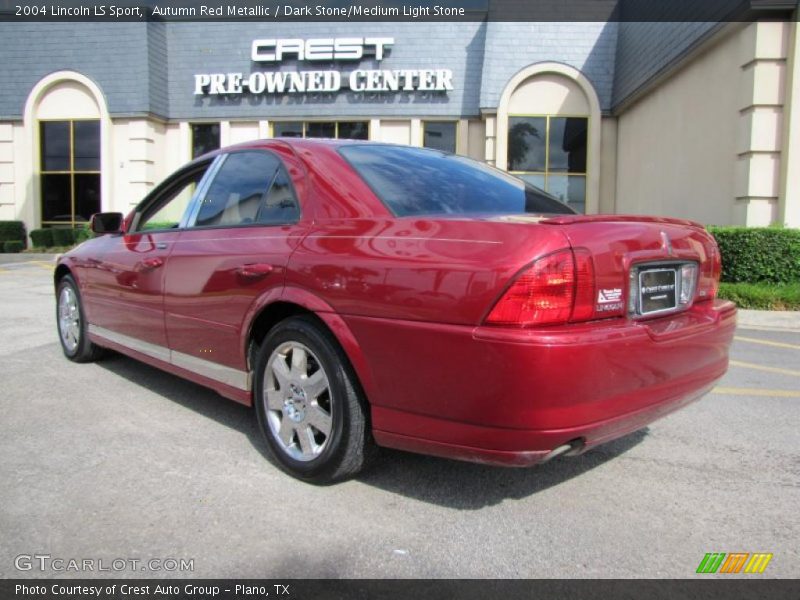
[(320, 419), (306, 438), (274, 400), (299, 362), (315, 385), (281, 372), (300, 422), (286, 432)]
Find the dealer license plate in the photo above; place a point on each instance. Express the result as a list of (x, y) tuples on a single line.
[(657, 291)]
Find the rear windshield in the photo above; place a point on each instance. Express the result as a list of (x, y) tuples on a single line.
[(420, 181)]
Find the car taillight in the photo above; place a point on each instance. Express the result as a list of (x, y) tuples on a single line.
[(583, 309), (688, 274), (709, 279), (557, 288)]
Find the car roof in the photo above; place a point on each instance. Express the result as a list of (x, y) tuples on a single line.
[(297, 143)]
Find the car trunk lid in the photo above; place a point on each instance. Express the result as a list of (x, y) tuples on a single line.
[(644, 266)]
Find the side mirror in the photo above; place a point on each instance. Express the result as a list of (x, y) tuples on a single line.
[(109, 222)]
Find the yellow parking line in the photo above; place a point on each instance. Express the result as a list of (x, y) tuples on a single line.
[(771, 329), (747, 365), (728, 391), (21, 272), (767, 342), (43, 264), (20, 267)]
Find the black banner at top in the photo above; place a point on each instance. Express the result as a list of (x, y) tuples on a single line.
[(397, 10)]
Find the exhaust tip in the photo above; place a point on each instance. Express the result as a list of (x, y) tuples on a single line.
[(571, 448)]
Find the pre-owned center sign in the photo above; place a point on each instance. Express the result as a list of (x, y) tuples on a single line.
[(314, 81)]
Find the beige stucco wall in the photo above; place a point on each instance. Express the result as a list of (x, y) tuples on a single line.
[(705, 144), (608, 166), (243, 131), (7, 173), (68, 100), (395, 132), (548, 94), (789, 198), (676, 147), (476, 139), (16, 176)]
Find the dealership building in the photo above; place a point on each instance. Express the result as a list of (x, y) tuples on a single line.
[(695, 120)]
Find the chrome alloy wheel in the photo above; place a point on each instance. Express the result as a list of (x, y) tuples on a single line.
[(69, 318), (298, 401)]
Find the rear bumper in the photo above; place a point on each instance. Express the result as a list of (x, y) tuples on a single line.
[(585, 437), (509, 397)]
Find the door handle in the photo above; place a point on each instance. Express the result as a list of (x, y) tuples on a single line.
[(254, 270), (151, 263)]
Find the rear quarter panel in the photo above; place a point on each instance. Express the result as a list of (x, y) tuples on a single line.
[(416, 269)]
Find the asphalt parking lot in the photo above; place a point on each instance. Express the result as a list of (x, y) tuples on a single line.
[(119, 460)]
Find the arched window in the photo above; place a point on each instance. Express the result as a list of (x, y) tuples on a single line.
[(66, 116), (548, 125)]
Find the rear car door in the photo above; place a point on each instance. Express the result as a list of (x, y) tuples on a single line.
[(233, 253), (127, 282)]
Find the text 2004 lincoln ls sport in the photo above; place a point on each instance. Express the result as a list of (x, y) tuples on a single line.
[(362, 295)]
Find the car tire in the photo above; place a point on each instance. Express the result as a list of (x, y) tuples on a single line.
[(71, 323), (310, 406)]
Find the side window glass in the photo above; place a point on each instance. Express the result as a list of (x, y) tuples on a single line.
[(280, 204), (238, 189), (167, 212)]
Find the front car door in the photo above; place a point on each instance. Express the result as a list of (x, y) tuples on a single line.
[(128, 281), (233, 254)]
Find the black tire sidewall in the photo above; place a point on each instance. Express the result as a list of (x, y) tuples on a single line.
[(304, 331)]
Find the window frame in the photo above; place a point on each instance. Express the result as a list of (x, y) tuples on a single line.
[(547, 172), (455, 122), (167, 187), (305, 123), (193, 211), (71, 172), (192, 125)]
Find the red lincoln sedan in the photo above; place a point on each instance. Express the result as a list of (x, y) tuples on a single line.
[(363, 294)]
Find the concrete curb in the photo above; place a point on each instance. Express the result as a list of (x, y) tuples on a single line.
[(770, 319)]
